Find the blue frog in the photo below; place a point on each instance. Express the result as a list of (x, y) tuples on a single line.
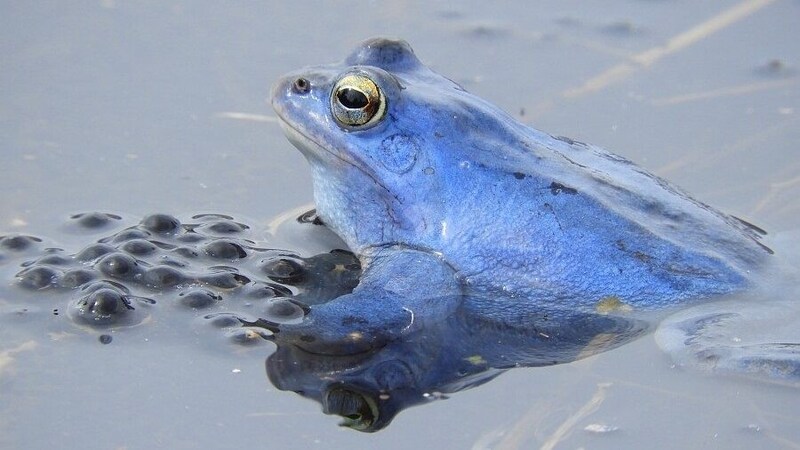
[(441, 194)]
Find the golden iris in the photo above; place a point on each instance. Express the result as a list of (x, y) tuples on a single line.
[(357, 101)]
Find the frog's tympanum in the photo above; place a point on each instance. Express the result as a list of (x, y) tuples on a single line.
[(441, 194)]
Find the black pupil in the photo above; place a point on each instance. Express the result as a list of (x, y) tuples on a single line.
[(352, 98)]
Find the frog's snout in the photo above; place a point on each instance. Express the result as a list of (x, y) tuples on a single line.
[(277, 93)]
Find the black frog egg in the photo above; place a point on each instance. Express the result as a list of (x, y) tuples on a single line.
[(139, 247), (161, 224), (164, 276), (172, 261), (93, 221), (118, 265), (191, 238), (225, 227), (101, 284), (38, 277), (104, 306), (54, 260), (198, 298), (224, 249), (224, 279), (105, 302), (259, 290), (284, 270), (18, 243), (283, 310), (127, 235), (94, 251), (223, 320), (187, 253), (77, 277), (211, 216)]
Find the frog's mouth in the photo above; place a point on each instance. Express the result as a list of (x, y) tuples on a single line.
[(310, 148), (315, 154)]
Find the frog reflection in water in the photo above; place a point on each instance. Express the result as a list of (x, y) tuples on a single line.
[(442, 194), (462, 350)]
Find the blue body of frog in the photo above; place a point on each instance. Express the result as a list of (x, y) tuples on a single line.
[(440, 193)]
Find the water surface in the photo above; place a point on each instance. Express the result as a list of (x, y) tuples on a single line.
[(124, 108)]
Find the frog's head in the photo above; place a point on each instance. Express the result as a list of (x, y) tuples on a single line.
[(385, 137)]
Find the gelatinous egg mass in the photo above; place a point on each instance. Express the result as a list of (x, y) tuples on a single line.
[(207, 270)]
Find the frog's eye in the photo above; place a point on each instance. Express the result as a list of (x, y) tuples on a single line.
[(357, 102)]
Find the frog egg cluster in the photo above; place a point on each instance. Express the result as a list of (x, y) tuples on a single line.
[(209, 265)]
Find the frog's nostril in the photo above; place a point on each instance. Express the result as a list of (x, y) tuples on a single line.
[(301, 86)]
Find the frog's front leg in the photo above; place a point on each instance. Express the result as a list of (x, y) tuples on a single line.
[(400, 291)]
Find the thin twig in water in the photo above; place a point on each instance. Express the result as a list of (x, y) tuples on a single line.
[(7, 356), (679, 42), (774, 190), (527, 425), (246, 116), (765, 427), (566, 427), (726, 92), (748, 143)]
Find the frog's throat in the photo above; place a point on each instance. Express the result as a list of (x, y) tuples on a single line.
[(313, 152)]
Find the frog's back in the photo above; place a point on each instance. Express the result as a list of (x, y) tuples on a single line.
[(582, 224), (555, 219)]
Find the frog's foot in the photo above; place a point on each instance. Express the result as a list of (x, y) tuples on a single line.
[(755, 340), (356, 323), (401, 291)]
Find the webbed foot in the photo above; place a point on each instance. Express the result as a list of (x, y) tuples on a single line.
[(401, 289)]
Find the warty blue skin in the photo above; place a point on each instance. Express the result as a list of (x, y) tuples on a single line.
[(453, 195)]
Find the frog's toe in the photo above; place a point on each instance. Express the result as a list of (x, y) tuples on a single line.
[(758, 341), (280, 313), (321, 336)]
